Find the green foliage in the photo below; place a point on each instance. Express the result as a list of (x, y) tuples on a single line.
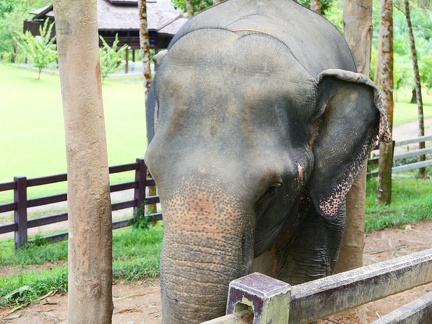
[(135, 256), (197, 5), (140, 220), (325, 5), (28, 286), (39, 50), (12, 15), (411, 203), (110, 57)]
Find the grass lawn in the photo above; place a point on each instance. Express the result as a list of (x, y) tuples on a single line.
[(405, 112), (32, 137), (135, 256)]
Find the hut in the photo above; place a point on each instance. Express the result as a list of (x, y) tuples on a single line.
[(121, 17)]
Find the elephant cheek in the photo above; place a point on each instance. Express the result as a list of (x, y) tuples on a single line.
[(204, 248)]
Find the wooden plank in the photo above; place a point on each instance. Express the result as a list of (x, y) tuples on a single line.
[(7, 228), (412, 153), (151, 200), (121, 223), (411, 166), (418, 311), (54, 237), (123, 168), (123, 186), (46, 180), (326, 296), (150, 182), (243, 317), (8, 207), (7, 186), (155, 216), (414, 140), (46, 200), (20, 213), (140, 179), (41, 221), (124, 204)]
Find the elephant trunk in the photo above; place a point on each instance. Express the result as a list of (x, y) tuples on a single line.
[(208, 242)]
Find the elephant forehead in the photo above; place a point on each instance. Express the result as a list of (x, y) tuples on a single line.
[(233, 73)]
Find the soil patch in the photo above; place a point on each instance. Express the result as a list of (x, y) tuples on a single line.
[(138, 301)]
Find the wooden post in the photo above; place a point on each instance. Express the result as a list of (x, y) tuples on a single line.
[(268, 298), (20, 213), (140, 189), (127, 60)]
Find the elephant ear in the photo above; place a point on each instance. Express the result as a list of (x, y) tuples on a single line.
[(350, 121)]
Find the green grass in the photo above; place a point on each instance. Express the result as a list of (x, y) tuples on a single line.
[(411, 203), (32, 142), (135, 256), (405, 112)]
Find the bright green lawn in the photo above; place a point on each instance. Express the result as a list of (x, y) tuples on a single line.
[(32, 131), (31, 123), (405, 112)]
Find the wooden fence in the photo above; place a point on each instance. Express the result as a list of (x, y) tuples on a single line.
[(257, 298), (407, 155), (21, 203)]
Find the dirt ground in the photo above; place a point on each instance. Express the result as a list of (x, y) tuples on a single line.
[(139, 302)]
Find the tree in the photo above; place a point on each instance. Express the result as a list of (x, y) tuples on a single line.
[(419, 99), (89, 206), (145, 54), (358, 34), (40, 50), (386, 149), (315, 5), (110, 57), (192, 7)]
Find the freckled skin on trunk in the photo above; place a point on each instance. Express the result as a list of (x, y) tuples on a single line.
[(207, 243)]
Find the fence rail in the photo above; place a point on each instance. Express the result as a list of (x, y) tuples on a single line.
[(405, 155), (271, 300), (21, 203)]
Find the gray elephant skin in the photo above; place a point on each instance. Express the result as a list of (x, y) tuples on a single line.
[(260, 126)]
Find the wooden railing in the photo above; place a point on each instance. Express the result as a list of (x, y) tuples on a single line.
[(21, 203), (261, 299), (405, 155)]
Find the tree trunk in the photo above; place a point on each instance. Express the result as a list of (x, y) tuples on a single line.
[(315, 5), (358, 34), (418, 94), (145, 53), (386, 149), (189, 8), (377, 74), (89, 206)]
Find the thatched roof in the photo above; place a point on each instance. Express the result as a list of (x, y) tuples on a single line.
[(123, 15)]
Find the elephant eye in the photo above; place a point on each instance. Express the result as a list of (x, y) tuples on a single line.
[(271, 191)]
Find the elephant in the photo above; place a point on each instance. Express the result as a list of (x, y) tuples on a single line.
[(258, 125)]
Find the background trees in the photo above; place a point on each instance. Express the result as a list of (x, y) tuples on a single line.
[(40, 50)]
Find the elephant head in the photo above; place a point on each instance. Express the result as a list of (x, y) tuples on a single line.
[(253, 150)]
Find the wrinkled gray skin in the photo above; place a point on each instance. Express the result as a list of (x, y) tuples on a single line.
[(260, 130)]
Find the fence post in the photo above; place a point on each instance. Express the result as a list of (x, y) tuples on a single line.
[(20, 213), (140, 189), (267, 297)]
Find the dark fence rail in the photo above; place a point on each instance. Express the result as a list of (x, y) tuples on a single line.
[(21, 203)]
